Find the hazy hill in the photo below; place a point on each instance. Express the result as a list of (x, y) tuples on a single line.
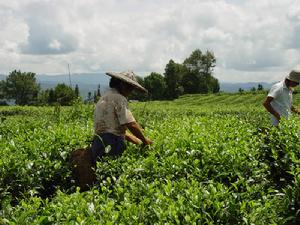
[(87, 82), (234, 87), (84, 78)]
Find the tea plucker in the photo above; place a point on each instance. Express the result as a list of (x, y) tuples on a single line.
[(279, 100), (113, 118)]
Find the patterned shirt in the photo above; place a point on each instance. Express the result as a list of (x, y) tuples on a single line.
[(111, 113)]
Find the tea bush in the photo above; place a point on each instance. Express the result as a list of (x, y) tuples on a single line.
[(209, 164)]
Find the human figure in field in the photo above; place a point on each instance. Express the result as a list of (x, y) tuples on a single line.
[(279, 100), (113, 119)]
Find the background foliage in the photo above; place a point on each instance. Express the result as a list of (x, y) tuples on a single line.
[(195, 75)]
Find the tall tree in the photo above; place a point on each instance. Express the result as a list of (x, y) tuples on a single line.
[(89, 96), (77, 91), (98, 91), (2, 85), (21, 86), (156, 86), (173, 76), (199, 79), (214, 85), (43, 97), (64, 94), (190, 81), (51, 97), (200, 62), (260, 87)]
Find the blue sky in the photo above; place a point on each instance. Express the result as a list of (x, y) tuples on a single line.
[(255, 40)]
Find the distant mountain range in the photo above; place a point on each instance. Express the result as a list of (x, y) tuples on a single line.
[(234, 87), (88, 82)]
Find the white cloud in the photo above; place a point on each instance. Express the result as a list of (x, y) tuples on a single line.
[(252, 40), (55, 44)]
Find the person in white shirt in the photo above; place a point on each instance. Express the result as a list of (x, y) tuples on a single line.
[(113, 118), (279, 100)]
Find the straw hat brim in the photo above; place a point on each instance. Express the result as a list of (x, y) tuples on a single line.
[(294, 75), (126, 79)]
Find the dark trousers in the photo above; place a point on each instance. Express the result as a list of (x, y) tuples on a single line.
[(115, 145)]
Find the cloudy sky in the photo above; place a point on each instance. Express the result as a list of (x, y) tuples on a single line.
[(253, 40)]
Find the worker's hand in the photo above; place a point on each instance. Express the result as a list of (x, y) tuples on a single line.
[(147, 141), (295, 110), (146, 145)]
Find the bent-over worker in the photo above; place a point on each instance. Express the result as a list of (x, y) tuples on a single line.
[(113, 118), (279, 100)]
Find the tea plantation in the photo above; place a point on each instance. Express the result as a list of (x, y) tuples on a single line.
[(214, 160)]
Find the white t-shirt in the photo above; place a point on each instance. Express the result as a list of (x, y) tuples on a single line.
[(111, 112), (282, 100)]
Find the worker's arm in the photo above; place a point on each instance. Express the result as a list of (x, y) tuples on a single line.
[(269, 108), (133, 139), (137, 133)]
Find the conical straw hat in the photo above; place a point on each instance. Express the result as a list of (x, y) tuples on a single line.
[(294, 75), (128, 77)]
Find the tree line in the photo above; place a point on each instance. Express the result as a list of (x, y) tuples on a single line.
[(193, 75), (22, 87)]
